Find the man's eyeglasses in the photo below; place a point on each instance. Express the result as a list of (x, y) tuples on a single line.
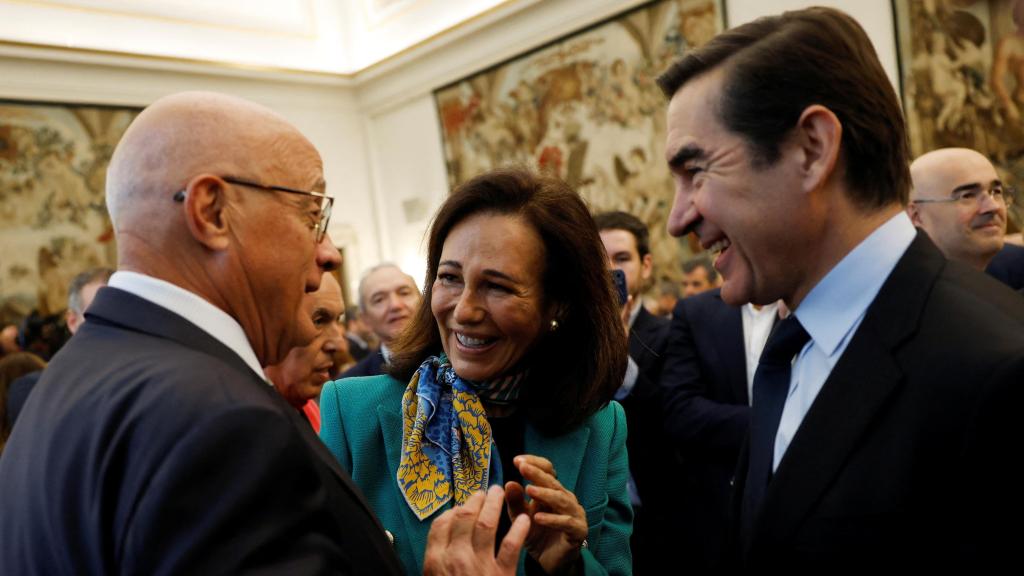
[(326, 202), (972, 196)]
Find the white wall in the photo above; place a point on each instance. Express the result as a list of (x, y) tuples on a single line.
[(398, 102)]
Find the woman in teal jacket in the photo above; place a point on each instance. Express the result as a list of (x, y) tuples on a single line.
[(504, 376)]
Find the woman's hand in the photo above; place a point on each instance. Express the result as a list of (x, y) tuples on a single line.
[(558, 524)]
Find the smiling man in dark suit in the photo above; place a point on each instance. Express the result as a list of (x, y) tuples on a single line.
[(884, 409), (153, 444)]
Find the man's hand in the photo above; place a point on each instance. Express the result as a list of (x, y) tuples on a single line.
[(461, 541)]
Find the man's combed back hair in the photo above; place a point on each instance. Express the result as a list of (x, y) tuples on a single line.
[(629, 223), (777, 66)]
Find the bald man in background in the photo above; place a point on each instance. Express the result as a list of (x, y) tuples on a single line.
[(160, 448), (959, 200)]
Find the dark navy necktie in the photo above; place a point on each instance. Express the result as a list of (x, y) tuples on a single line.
[(771, 385)]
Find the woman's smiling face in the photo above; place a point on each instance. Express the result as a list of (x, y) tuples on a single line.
[(488, 297)]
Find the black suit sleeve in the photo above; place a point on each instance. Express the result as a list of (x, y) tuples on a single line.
[(697, 416), (238, 493)]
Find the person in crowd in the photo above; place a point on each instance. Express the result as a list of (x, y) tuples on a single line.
[(387, 299), (669, 294), (153, 444), (698, 276), (885, 404), (710, 360), (653, 467), (81, 293), (303, 372), (1007, 266), (42, 334), (504, 375), (9, 340), (12, 367), (959, 200), (361, 340)]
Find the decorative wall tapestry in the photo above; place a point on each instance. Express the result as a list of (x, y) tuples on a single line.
[(585, 108), (962, 74), (53, 217)]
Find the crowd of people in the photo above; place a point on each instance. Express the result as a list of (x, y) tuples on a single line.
[(834, 390)]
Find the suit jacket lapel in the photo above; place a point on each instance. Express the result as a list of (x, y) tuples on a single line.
[(117, 307), (640, 336), (565, 452), (862, 380)]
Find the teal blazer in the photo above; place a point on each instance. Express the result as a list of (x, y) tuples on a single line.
[(362, 426)]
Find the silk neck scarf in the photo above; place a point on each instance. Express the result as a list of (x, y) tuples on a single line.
[(446, 438)]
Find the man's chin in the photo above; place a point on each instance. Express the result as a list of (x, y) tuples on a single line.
[(734, 295)]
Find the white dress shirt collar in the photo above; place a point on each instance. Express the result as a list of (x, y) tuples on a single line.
[(193, 308)]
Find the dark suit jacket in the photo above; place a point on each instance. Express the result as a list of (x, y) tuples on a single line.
[(704, 383), (371, 365), (1008, 266), (907, 458), (357, 348), (148, 447), (17, 394), (651, 458)]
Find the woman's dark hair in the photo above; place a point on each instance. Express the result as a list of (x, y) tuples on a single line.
[(575, 371), (12, 367)]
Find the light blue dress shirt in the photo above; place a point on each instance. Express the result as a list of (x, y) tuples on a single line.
[(831, 314)]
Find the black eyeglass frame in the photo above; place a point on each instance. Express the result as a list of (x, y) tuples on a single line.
[(327, 202)]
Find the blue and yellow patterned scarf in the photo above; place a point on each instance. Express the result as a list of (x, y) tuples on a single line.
[(446, 438)]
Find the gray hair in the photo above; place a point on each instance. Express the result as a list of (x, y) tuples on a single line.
[(371, 270), (98, 274), (702, 262)]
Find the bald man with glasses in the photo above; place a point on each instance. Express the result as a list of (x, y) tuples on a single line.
[(960, 201), (154, 444)]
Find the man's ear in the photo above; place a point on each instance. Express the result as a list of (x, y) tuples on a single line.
[(819, 136), (646, 266), (71, 320), (205, 215), (915, 214)]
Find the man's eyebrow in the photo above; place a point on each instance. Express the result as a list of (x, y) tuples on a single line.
[(973, 186), (685, 154)]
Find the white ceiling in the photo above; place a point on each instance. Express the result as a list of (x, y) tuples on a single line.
[(327, 36)]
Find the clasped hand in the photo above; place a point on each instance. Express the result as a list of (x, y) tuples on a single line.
[(552, 525)]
